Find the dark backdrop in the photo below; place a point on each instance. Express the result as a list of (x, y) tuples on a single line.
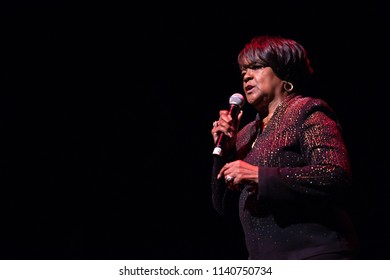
[(106, 115)]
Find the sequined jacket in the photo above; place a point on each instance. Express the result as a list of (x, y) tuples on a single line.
[(296, 210)]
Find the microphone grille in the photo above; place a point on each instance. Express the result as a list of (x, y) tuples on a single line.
[(237, 99)]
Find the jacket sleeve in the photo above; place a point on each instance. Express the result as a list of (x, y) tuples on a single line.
[(225, 201)]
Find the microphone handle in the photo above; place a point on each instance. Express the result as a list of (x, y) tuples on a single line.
[(233, 111)]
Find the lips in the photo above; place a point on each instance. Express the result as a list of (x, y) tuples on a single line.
[(248, 88)]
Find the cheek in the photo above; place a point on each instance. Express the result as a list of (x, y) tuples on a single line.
[(268, 82), (262, 82)]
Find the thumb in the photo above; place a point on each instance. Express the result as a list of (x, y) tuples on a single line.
[(238, 120)]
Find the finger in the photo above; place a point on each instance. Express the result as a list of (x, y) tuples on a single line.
[(229, 179), (220, 174), (223, 170), (239, 116), (225, 116)]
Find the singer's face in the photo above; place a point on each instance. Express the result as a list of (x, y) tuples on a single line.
[(260, 85)]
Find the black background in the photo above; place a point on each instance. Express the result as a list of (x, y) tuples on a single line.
[(106, 112)]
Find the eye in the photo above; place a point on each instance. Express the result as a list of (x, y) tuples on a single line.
[(256, 67)]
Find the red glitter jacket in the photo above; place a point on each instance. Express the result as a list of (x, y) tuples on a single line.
[(296, 211)]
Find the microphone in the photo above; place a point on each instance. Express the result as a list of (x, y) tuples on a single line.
[(236, 102)]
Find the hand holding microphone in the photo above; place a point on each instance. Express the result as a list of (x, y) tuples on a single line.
[(224, 130)]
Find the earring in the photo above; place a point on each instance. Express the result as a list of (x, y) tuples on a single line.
[(287, 86)]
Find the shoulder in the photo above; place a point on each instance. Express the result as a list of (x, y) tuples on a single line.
[(306, 101), (305, 106)]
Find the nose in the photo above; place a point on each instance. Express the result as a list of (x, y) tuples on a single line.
[(247, 75)]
